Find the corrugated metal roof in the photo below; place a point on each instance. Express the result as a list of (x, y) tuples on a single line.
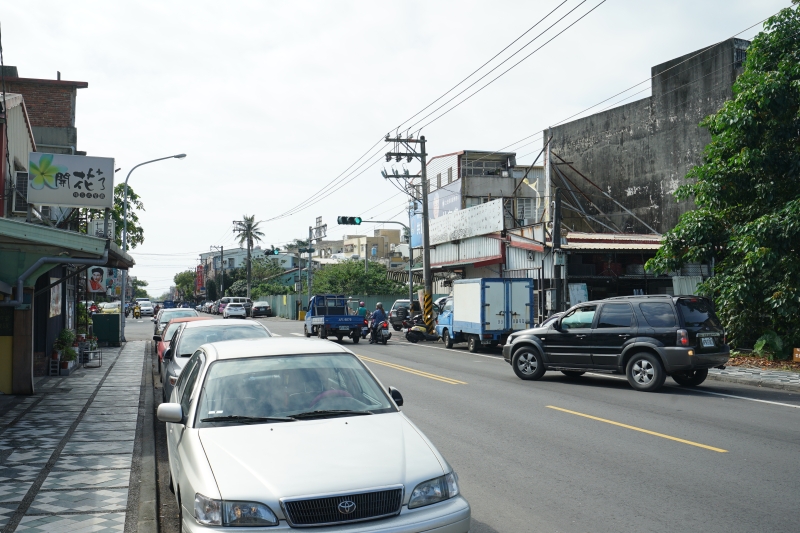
[(610, 246)]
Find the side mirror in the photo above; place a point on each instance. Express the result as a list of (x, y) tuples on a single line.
[(170, 412), (168, 354), (396, 396), (157, 338)]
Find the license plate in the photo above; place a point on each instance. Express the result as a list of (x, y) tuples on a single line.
[(708, 342), (344, 328)]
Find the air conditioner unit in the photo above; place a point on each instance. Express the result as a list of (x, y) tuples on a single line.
[(19, 203), (45, 211)]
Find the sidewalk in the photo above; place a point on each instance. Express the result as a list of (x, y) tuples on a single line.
[(67, 457), (773, 379)]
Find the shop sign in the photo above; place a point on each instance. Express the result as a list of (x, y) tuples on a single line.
[(70, 180), (481, 219)]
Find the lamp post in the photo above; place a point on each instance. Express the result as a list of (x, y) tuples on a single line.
[(125, 231)]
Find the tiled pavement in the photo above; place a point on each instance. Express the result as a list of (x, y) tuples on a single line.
[(66, 453), (775, 379)]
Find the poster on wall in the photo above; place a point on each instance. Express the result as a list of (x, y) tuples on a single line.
[(440, 202), (55, 298), (96, 275)]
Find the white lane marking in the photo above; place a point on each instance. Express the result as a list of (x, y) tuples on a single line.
[(298, 334), (709, 392), (450, 350)]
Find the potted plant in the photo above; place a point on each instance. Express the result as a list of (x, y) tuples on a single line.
[(68, 356), (93, 343)]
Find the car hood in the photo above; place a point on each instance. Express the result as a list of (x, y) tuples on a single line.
[(267, 462)]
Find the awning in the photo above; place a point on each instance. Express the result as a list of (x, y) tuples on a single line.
[(22, 244)]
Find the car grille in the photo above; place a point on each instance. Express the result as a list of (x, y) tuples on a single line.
[(325, 510)]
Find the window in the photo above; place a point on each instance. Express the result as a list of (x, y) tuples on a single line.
[(448, 306), (184, 375), (231, 263), (697, 312), (616, 316), (524, 208), (580, 318), (450, 175), (186, 394), (658, 315)]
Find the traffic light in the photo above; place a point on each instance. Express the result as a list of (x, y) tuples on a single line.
[(306, 250), (351, 221), (276, 251)]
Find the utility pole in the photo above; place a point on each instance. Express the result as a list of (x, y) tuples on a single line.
[(409, 154), (557, 251), (222, 277)]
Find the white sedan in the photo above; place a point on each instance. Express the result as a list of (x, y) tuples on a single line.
[(285, 433), (234, 310)]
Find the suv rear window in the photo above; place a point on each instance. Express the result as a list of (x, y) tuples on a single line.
[(658, 315), (698, 313)]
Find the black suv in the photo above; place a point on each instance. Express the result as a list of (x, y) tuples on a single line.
[(644, 337)]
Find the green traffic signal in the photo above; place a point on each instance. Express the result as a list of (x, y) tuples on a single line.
[(276, 251), (348, 221)]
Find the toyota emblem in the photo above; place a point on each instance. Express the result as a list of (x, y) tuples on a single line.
[(347, 507)]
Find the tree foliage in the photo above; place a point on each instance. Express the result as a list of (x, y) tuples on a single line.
[(747, 194), (135, 230), (184, 282), (139, 285), (348, 277)]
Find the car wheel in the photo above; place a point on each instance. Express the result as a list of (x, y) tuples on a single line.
[(356, 338), (397, 328), (339, 337), (171, 484), (645, 373), (447, 339), (321, 333), (527, 363), (573, 373), (305, 331), (473, 345), (691, 378)]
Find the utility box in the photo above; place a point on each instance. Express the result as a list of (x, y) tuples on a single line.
[(796, 355), (106, 327)]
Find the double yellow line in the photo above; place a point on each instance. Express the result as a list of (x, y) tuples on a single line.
[(414, 371)]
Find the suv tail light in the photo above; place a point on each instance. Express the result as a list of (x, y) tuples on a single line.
[(683, 337)]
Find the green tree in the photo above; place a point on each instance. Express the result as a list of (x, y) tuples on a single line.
[(184, 282), (747, 193), (265, 268), (248, 233), (135, 230), (138, 287), (348, 277), (211, 290)]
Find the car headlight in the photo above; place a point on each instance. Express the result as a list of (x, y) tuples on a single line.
[(211, 512), (434, 490)]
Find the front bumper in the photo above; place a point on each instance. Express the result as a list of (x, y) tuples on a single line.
[(451, 516), (507, 352), (678, 359)]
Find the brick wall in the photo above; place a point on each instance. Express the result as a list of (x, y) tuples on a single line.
[(48, 105)]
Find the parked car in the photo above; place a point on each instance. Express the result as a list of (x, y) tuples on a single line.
[(193, 335), (646, 338), (234, 309), (165, 315), (109, 307), (261, 309), (375, 464), (399, 312), (163, 339)]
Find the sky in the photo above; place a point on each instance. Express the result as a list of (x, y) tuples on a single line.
[(275, 101)]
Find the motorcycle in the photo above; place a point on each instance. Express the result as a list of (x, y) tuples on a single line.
[(137, 312), (365, 327), (382, 333), (418, 331)]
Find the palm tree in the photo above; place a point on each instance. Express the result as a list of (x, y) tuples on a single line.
[(248, 232)]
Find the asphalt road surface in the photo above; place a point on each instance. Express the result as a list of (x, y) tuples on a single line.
[(591, 454)]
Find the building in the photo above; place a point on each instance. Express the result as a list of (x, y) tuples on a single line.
[(380, 246), (639, 153)]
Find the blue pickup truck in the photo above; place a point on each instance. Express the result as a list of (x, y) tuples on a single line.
[(329, 316)]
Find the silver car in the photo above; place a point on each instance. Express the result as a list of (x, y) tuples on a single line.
[(192, 335), (286, 433), (165, 315)]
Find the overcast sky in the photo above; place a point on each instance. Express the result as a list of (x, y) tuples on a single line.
[(272, 100)]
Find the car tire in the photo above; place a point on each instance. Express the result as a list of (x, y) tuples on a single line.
[(447, 339), (305, 331), (690, 378), (339, 337), (356, 338), (527, 363), (473, 344), (573, 373), (171, 484), (644, 372), (321, 333)]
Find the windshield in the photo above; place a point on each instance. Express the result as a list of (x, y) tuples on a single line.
[(289, 386), (193, 338), (170, 331), (698, 313), (166, 316)]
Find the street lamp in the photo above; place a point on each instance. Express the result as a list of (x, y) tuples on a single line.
[(125, 231)]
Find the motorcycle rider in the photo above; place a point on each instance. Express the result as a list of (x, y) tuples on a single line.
[(378, 317)]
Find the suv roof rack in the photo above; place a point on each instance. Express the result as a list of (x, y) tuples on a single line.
[(640, 296)]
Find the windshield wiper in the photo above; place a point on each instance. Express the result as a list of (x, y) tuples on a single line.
[(249, 419), (329, 412)]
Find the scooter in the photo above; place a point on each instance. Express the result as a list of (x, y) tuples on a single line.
[(418, 331), (365, 327), (382, 333), (137, 312)]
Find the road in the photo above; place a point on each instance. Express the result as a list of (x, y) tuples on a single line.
[(591, 454)]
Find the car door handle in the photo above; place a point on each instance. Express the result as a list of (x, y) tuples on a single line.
[(580, 336), (625, 336)]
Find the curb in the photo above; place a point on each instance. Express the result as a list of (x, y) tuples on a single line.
[(147, 519), (755, 382)]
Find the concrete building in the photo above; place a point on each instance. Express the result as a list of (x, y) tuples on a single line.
[(380, 246), (640, 152)]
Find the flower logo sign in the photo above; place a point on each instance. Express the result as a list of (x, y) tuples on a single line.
[(43, 173), (70, 180)]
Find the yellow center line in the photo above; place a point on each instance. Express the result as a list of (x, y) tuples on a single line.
[(414, 371), (634, 428)]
